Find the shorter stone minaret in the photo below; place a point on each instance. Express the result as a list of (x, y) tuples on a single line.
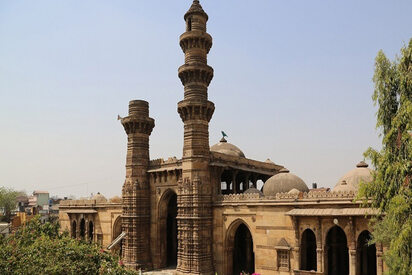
[(136, 192)]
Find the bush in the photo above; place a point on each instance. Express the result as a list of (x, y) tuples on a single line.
[(39, 248)]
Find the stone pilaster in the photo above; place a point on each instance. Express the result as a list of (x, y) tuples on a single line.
[(135, 193), (194, 217)]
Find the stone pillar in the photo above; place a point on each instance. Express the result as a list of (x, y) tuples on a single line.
[(136, 193), (352, 261), (86, 229), (319, 250), (379, 259), (246, 185), (296, 248), (352, 246), (194, 198), (234, 182)]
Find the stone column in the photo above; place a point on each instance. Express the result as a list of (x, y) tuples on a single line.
[(352, 261), (379, 259), (296, 248), (319, 249), (234, 182)]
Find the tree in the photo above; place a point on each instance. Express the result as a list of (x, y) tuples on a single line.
[(8, 201), (38, 248), (391, 189)]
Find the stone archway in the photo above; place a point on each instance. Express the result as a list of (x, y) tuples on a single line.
[(240, 255), (308, 251), (336, 252), (365, 255), (117, 230), (168, 229)]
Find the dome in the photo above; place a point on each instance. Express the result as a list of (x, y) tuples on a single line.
[(99, 198), (283, 182), (116, 199), (253, 190), (351, 180), (227, 148)]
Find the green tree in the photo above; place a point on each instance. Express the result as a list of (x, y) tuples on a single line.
[(38, 248), (8, 201), (390, 191)]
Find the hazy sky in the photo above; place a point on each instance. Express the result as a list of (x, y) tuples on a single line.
[(293, 82)]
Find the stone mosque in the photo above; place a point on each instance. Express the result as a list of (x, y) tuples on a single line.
[(206, 214)]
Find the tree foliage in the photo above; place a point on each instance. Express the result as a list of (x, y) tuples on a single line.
[(39, 248), (8, 201), (390, 192)]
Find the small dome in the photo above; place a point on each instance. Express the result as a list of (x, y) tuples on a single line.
[(269, 161), (99, 198), (227, 148), (351, 180), (284, 182), (116, 199), (253, 190), (294, 191)]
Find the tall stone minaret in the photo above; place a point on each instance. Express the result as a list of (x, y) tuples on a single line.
[(136, 193), (194, 189)]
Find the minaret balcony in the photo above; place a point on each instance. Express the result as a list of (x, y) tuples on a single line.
[(196, 39), (195, 110), (142, 125), (200, 73)]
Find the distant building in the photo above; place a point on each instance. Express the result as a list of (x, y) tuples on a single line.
[(95, 219)]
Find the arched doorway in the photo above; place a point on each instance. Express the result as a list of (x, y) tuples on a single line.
[(337, 252), (171, 231), (308, 251), (82, 228), (91, 231), (117, 230), (167, 229), (74, 225), (366, 255), (242, 255)]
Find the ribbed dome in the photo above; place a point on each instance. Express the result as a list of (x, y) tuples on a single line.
[(227, 148), (351, 180), (99, 198), (253, 190), (283, 182)]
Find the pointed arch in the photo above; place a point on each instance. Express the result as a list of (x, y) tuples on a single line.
[(308, 257), (336, 252), (239, 248), (167, 228), (365, 255)]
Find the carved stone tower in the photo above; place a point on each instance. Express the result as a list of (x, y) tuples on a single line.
[(194, 189), (136, 193)]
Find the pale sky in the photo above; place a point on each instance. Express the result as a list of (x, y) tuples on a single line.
[(293, 83)]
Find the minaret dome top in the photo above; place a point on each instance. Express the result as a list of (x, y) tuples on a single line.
[(197, 9)]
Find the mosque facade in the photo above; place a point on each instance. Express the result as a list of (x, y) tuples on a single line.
[(205, 213)]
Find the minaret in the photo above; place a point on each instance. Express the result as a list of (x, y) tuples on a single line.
[(195, 190), (135, 193)]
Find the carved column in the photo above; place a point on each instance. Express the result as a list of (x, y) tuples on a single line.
[(296, 249), (319, 250), (234, 182), (352, 247), (135, 193), (194, 217), (379, 259)]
